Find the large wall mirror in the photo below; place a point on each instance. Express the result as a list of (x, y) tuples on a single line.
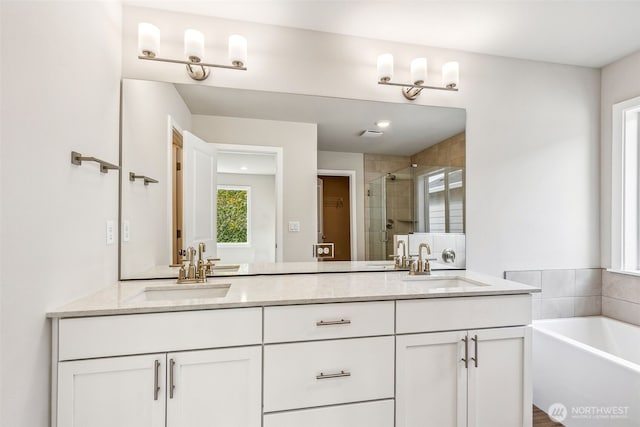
[(261, 177)]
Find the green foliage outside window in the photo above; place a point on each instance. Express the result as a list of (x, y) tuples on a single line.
[(232, 216)]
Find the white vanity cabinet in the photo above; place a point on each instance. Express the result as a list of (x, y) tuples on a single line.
[(464, 378), (114, 391), (329, 365), (101, 381), (460, 361)]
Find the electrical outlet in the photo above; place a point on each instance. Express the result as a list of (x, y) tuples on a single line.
[(111, 232), (125, 231), (323, 250)]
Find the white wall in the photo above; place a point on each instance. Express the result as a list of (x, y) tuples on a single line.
[(532, 127), (619, 83), (262, 222), (299, 145), (145, 150), (54, 213), (354, 162)]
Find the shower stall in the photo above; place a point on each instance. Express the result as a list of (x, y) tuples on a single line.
[(427, 199)]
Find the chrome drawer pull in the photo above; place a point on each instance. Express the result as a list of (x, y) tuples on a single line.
[(333, 322), (323, 376)]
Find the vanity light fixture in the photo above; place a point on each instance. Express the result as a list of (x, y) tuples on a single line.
[(450, 76), (149, 49)]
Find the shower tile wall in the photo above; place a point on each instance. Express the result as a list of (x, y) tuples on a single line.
[(376, 166), (621, 297), (565, 293), (450, 152)]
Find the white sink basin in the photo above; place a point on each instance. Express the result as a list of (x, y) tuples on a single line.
[(442, 282), (182, 292), (226, 267), (381, 266)]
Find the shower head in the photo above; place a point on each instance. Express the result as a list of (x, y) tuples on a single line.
[(391, 176)]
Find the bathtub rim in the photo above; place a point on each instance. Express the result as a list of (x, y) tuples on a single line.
[(592, 350)]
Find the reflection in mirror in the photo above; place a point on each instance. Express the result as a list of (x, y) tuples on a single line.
[(260, 177)]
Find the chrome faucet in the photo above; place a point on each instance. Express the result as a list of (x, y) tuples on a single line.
[(423, 266)]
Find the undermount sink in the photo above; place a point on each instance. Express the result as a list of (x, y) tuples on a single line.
[(182, 292), (226, 267), (381, 265), (442, 282)]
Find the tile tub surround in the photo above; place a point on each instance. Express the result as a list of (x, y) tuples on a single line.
[(621, 297), (565, 293)]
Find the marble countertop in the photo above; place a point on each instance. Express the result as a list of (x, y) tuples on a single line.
[(268, 290)]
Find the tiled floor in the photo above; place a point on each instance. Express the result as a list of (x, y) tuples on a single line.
[(540, 419)]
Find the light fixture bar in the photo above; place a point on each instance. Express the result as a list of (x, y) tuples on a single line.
[(411, 92), (202, 64), (408, 86), (200, 73)]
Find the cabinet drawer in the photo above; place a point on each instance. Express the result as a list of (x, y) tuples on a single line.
[(326, 321), (87, 337), (448, 314), (369, 414), (303, 375)]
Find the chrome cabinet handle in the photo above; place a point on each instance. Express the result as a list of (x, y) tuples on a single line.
[(465, 359), (475, 343), (156, 386), (333, 322), (172, 386), (324, 376)]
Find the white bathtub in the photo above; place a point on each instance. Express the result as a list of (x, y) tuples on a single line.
[(588, 368)]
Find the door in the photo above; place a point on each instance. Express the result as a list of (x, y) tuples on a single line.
[(200, 193), (118, 391), (500, 384), (176, 195), (431, 380), (336, 215), (215, 388)]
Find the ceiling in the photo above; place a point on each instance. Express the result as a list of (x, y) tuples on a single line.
[(586, 33), (340, 121), (246, 163)]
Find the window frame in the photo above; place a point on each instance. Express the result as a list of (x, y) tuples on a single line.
[(247, 189), (625, 188)]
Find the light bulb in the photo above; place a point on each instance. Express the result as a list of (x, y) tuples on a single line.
[(385, 67), (237, 50), (194, 45), (148, 40), (450, 74), (419, 71)]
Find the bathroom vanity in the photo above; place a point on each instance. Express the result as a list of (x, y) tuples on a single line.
[(344, 350)]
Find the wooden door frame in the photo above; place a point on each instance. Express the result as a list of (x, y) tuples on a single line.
[(171, 125), (352, 205)]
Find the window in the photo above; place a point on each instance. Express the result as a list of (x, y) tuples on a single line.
[(233, 215), (625, 230)]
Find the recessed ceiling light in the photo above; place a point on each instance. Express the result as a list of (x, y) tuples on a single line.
[(383, 123), (243, 168)]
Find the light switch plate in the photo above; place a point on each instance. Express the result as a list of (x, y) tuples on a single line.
[(294, 226), (125, 231), (111, 232)]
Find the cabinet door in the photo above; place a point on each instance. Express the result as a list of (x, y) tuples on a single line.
[(431, 380), (215, 388), (500, 384), (117, 391)]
